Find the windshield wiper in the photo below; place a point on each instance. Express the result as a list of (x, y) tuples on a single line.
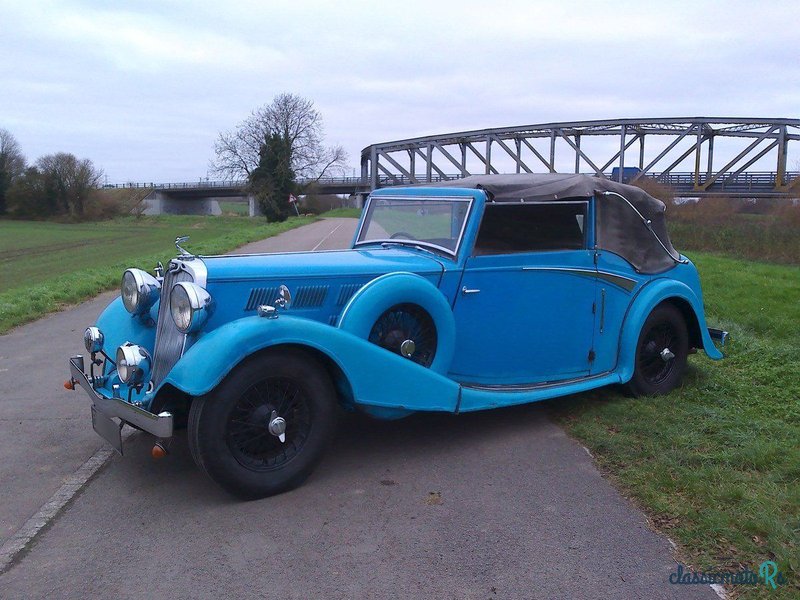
[(408, 243)]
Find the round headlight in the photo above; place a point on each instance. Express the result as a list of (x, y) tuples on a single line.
[(140, 290), (93, 339), (133, 364), (190, 306)]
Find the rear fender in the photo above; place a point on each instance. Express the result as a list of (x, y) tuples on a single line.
[(378, 377), (651, 295)]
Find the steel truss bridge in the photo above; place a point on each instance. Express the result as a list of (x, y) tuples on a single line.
[(695, 156)]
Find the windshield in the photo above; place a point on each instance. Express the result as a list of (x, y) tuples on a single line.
[(432, 222)]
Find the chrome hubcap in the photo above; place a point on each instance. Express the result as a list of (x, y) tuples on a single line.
[(407, 348), (277, 426), (667, 355)]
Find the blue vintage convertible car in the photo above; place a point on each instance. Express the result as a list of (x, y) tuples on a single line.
[(480, 293)]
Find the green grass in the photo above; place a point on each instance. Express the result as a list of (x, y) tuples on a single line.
[(354, 213), (45, 266), (716, 464)]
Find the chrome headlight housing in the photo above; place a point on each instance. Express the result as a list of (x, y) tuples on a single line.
[(190, 306), (93, 339), (139, 292), (133, 364)]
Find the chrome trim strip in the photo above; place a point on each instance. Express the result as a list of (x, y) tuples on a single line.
[(271, 253), (529, 387), (626, 283), (159, 425)]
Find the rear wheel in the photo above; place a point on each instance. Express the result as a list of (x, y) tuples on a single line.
[(661, 353), (265, 427)]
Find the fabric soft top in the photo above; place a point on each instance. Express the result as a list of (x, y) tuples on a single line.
[(619, 229)]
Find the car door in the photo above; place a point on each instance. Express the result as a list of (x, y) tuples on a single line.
[(525, 310)]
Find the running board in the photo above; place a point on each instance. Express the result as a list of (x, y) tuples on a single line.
[(482, 397)]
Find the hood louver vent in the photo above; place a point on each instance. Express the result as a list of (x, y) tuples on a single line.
[(259, 296), (310, 296), (346, 292)]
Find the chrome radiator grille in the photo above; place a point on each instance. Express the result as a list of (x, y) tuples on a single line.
[(169, 341)]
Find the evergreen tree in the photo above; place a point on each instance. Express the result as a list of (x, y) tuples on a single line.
[(274, 179)]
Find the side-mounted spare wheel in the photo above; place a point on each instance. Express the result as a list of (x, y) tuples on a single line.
[(661, 353), (265, 427), (407, 330), (407, 315)]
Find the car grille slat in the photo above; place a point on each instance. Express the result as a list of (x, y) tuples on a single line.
[(169, 341)]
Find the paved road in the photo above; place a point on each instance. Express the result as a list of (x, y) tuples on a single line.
[(494, 505)]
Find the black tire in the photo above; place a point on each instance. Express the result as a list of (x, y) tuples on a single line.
[(655, 374), (228, 428)]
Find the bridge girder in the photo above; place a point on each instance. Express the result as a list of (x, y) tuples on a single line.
[(516, 151)]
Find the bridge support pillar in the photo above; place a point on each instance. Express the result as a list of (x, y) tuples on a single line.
[(254, 211), (158, 202)]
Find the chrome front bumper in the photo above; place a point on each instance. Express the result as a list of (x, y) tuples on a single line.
[(103, 409)]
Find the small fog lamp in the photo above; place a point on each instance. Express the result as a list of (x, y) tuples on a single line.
[(93, 339), (133, 364)]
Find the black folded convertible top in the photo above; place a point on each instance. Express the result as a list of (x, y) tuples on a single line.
[(620, 228)]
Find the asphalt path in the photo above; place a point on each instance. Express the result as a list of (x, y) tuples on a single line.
[(500, 504)]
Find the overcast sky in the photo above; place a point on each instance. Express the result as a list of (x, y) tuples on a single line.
[(142, 88)]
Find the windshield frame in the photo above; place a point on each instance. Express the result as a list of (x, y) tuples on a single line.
[(416, 243)]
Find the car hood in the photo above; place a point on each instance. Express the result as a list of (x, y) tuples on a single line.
[(345, 263)]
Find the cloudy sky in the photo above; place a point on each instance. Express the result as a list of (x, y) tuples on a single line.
[(143, 88)]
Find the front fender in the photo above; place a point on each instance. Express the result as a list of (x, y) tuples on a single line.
[(650, 296), (120, 326), (377, 376)]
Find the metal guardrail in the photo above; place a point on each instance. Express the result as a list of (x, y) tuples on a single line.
[(748, 181), (226, 183)]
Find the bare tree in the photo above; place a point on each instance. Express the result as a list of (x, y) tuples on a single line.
[(69, 181), (293, 118), (12, 164)]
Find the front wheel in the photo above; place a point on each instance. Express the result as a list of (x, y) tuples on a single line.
[(661, 353), (266, 426)]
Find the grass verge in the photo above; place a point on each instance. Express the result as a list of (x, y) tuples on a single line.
[(46, 266), (355, 213), (716, 464)]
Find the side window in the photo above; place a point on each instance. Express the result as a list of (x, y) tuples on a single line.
[(532, 227)]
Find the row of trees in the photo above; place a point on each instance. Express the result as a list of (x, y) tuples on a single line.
[(56, 185), (276, 145)]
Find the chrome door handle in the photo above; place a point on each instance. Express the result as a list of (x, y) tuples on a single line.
[(465, 290)]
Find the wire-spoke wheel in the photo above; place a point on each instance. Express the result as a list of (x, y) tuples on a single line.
[(661, 353), (266, 426), (248, 432), (407, 330)]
